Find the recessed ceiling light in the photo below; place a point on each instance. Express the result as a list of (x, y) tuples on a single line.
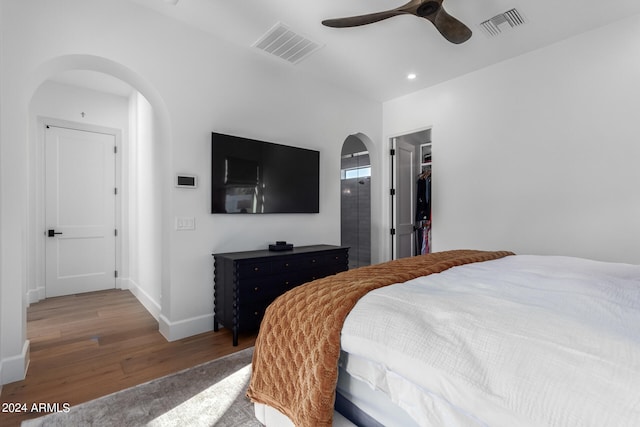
[(411, 76)]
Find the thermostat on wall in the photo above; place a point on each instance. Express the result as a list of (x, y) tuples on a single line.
[(186, 181)]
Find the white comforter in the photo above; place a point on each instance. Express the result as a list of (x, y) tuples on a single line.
[(519, 341)]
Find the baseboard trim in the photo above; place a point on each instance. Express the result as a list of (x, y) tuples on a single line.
[(145, 299), (14, 368), (174, 331), (36, 295)]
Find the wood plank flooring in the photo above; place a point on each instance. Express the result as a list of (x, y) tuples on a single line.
[(89, 345)]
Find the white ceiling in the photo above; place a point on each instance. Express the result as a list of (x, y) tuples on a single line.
[(374, 60)]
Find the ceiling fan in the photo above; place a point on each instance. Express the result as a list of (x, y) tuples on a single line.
[(432, 10)]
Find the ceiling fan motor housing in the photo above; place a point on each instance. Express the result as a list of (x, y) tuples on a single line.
[(428, 8)]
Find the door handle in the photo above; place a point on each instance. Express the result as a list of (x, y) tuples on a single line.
[(51, 233)]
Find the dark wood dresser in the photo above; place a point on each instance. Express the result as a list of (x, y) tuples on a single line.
[(245, 283)]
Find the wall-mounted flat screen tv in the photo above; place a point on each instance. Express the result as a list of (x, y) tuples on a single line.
[(251, 176)]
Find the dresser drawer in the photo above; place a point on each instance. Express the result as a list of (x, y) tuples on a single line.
[(250, 316), (321, 259), (253, 269), (338, 259), (265, 288), (288, 264)]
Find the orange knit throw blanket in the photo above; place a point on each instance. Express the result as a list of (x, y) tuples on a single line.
[(295, 362)]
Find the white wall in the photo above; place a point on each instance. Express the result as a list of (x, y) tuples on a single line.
[(196, 84), (538, 154), (13, 202), (145, 219), (1, 258)]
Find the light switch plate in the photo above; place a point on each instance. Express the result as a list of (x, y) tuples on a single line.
[(185, 223)]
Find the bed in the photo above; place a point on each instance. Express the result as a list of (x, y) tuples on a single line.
[(458, 338)]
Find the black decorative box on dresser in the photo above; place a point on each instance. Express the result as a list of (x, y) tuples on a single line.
[(245, 283)]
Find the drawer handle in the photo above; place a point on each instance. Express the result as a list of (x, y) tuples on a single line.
[(313, 261), (286, 264), (256, 268), (286, 282), (255, 313), (255, 289)]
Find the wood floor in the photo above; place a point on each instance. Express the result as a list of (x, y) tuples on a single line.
[(90, 345)]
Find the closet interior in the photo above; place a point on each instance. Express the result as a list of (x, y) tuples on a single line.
[(423, 202)]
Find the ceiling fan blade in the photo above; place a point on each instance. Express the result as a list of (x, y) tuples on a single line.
[(354, 21), (450, 28)]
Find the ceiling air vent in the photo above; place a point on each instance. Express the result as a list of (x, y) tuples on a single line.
[(286, 44), (504, 21)]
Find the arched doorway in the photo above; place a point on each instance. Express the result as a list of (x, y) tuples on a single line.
[(142, 154), (355, 201)]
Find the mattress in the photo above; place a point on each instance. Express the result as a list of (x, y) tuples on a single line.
[(362, 403)]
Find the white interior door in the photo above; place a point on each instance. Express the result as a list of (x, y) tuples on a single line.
[(405, 202), (80, 211)]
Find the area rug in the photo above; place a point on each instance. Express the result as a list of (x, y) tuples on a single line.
[(211, 394)]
